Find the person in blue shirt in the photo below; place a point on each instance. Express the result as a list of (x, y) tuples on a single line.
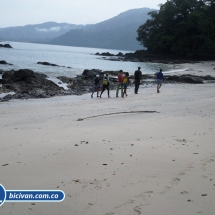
[(160, 79)]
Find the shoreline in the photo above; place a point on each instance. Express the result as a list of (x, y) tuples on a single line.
[(197, 73)]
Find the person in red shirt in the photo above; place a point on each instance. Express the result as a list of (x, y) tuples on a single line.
[(120, 84)]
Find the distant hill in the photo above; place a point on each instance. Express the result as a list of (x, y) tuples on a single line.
[(36, 33), (119, 32)]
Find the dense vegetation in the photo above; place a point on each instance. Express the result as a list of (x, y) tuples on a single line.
[(181, 28)]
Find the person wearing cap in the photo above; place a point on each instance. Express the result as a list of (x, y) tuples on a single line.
[(137, 78), (160, 79), (119, 84), (105, 86), (96, 86)]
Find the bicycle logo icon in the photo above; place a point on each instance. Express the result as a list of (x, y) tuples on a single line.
[(2, 195)]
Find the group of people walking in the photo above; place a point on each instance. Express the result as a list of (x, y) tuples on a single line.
[(123, 83)]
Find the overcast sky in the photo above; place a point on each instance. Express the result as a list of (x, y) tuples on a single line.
[(23, 12)]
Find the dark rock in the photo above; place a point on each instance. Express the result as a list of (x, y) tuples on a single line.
[(4, 62), (107, 54), (186, 78), (15, 76), (207, 77), (28, 84), (190, 79), (111, 72), (1, 71), (91, 73), (120, 54), (146, 56), (6, 46), (47, 64), (65, 79)]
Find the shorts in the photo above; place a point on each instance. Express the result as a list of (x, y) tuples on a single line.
[(96, 88), (159, 81), (125, 85)]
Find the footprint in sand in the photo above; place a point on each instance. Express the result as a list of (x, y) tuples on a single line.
[(209, 160), (181, 140), (184, 192), (206, 161), (137, 209)]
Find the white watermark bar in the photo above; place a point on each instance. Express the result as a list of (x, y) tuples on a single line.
[(34, 196), (30, 195)]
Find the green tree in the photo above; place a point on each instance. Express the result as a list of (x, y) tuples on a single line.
[(181, 28)]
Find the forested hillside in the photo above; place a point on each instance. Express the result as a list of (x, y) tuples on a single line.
[(181, 28), (119, 32)]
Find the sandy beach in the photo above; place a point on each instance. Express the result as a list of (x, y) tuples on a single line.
[(156, 159)]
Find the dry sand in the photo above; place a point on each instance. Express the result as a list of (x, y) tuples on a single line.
[(159, 163)]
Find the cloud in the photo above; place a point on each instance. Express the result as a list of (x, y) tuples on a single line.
[(48, 29)]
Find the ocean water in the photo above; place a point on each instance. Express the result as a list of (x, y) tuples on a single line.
[(26, 56)]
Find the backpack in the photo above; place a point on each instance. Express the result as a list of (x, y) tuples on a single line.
[(125, 80), (105, 81), (137, 75)]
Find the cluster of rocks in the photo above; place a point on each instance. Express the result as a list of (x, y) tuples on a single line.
[(108, 54), (28, 84), (191, 79), (84, 83), (144, 56)]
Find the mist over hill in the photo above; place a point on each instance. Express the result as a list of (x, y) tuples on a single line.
[(119, 32), (40, 33)]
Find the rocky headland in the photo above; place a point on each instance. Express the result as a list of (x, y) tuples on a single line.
[(145, 56)]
